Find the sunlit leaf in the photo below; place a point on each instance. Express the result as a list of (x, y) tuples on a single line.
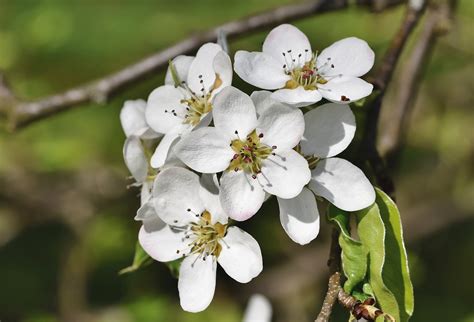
[(354, 253), (372, 234), (395, 272)]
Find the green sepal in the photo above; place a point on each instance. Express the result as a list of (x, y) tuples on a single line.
[(174, 73), (140, 259)]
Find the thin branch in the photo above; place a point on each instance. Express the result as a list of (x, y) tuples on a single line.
[(334, 284), (21, 113), (381, 80), (437, 23), (101, 90)]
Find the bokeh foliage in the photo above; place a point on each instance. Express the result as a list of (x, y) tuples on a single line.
[(66, 215)]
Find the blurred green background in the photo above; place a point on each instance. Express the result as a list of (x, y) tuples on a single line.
[(66, 216)]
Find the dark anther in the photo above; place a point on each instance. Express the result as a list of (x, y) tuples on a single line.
[(332, 65), (306, 50), (344, 98), (254, 176), (236, 132), (188, 210), (260, 135), (274, 147), (289, 51), (200, 76)]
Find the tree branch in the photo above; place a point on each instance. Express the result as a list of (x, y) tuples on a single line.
[(99, 91), (334, 284), (369, 152), (20, 113), (437, 23)]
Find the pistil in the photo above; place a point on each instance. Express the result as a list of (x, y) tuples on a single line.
[(249, 154)]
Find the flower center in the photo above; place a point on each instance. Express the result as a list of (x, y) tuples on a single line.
[(303, 70), (197, 107), (249, 153), (199, 104), (205, 237)]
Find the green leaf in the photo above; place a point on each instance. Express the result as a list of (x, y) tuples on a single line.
[(174, 73), (354, 253), (395, 274), (372, 234), (140, 259)]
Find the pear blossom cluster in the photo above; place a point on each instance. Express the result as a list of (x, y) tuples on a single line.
[(206, 155)]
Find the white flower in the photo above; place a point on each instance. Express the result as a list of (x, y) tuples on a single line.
[(136, 154), (329, 130), (193, 225), (301, 77), (185, 101), (132, 117), (256, 156), (258, 309)]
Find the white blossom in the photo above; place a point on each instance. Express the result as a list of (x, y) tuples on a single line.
[(185, 100), (255, 155), (329, 130), (132, 118), (301, 77), (192, 225), (258, 309)]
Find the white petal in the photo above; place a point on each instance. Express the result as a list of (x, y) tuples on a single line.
[(197, 282), (132, 117), (285, 174), (282, 126), (146, 212), (285, 43), (234, 111), (346, 89), (240, 256), (329, 129), (297, 97), (201, 73), (205, 150), (343, 184), (174, 192), (260, 70), (209, 193), (135, 158), (299, 217), (181, 64), (158, 158), (240, 195), (262, 101), (350, 57), (258, 309), (172, 159), (161, 104), (161, 242), (223, 68)]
